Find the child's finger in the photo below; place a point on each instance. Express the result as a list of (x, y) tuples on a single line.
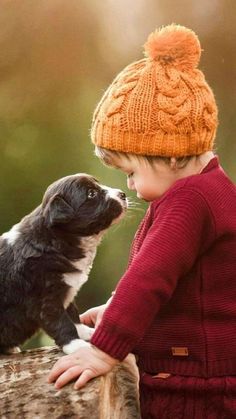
[(68, 376), (88, 318), (85, 376), (60, 366)]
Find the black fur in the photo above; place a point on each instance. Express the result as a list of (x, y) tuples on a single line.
[(32, 289)]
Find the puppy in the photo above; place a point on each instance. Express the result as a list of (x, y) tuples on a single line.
[(46, 258)]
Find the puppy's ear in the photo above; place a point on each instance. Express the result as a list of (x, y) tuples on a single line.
[(58, 211)]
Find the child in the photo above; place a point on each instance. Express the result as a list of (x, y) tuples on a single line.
[(174, 308)]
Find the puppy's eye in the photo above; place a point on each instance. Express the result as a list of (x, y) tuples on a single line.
[(92, 193)]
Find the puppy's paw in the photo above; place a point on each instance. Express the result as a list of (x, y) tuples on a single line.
[(74, 345), (84, 331)]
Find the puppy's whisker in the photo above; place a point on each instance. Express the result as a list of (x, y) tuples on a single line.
[(132, 203), (132, 209)]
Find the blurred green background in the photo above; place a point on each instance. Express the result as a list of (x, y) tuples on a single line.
[(56, 59)]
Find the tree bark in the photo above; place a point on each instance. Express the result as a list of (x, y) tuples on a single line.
[(25, 393)]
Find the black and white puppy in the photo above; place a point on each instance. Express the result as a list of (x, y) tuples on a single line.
[(45, 259)]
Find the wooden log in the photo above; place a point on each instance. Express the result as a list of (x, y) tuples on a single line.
[(25, 393)]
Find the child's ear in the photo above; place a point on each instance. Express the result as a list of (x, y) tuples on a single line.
[(173, 163), (58, 211)]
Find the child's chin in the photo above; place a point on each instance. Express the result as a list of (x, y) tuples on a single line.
[(143, 198)]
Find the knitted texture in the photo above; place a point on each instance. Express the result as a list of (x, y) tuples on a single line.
[(179, 397), (160, 105), (179, 288)]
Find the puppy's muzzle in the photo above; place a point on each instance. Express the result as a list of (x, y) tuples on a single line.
[(118, 195), (121, 197)]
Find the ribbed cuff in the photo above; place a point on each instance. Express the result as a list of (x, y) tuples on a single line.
[(116, 346)]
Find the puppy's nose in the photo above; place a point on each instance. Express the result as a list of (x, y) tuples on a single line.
[(122, 195)]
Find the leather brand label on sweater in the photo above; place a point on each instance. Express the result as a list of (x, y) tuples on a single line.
[(162, 375), (179, 351)]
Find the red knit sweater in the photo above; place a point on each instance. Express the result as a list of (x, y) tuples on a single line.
[(175, 306)]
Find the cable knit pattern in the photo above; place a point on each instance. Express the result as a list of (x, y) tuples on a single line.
[(179, 397), (160, 105), (179, 289)]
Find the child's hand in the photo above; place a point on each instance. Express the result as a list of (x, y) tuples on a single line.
[(93, 316), (86, 363)]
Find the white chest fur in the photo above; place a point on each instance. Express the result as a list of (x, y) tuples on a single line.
[(76, 279), (12, 235)]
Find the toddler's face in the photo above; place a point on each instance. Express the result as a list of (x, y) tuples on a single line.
[(149, 181)]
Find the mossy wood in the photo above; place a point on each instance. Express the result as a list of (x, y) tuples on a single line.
[(25, 393)]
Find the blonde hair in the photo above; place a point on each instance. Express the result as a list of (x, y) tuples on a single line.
[(109, 157)]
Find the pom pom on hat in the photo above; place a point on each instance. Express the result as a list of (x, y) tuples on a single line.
[(174, 45)]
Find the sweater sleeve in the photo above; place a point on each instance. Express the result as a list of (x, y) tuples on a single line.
[(182, 230)]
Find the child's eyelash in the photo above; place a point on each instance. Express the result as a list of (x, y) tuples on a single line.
[(130, 175)]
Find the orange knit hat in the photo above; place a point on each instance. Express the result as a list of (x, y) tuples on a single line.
[(160, 105)]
